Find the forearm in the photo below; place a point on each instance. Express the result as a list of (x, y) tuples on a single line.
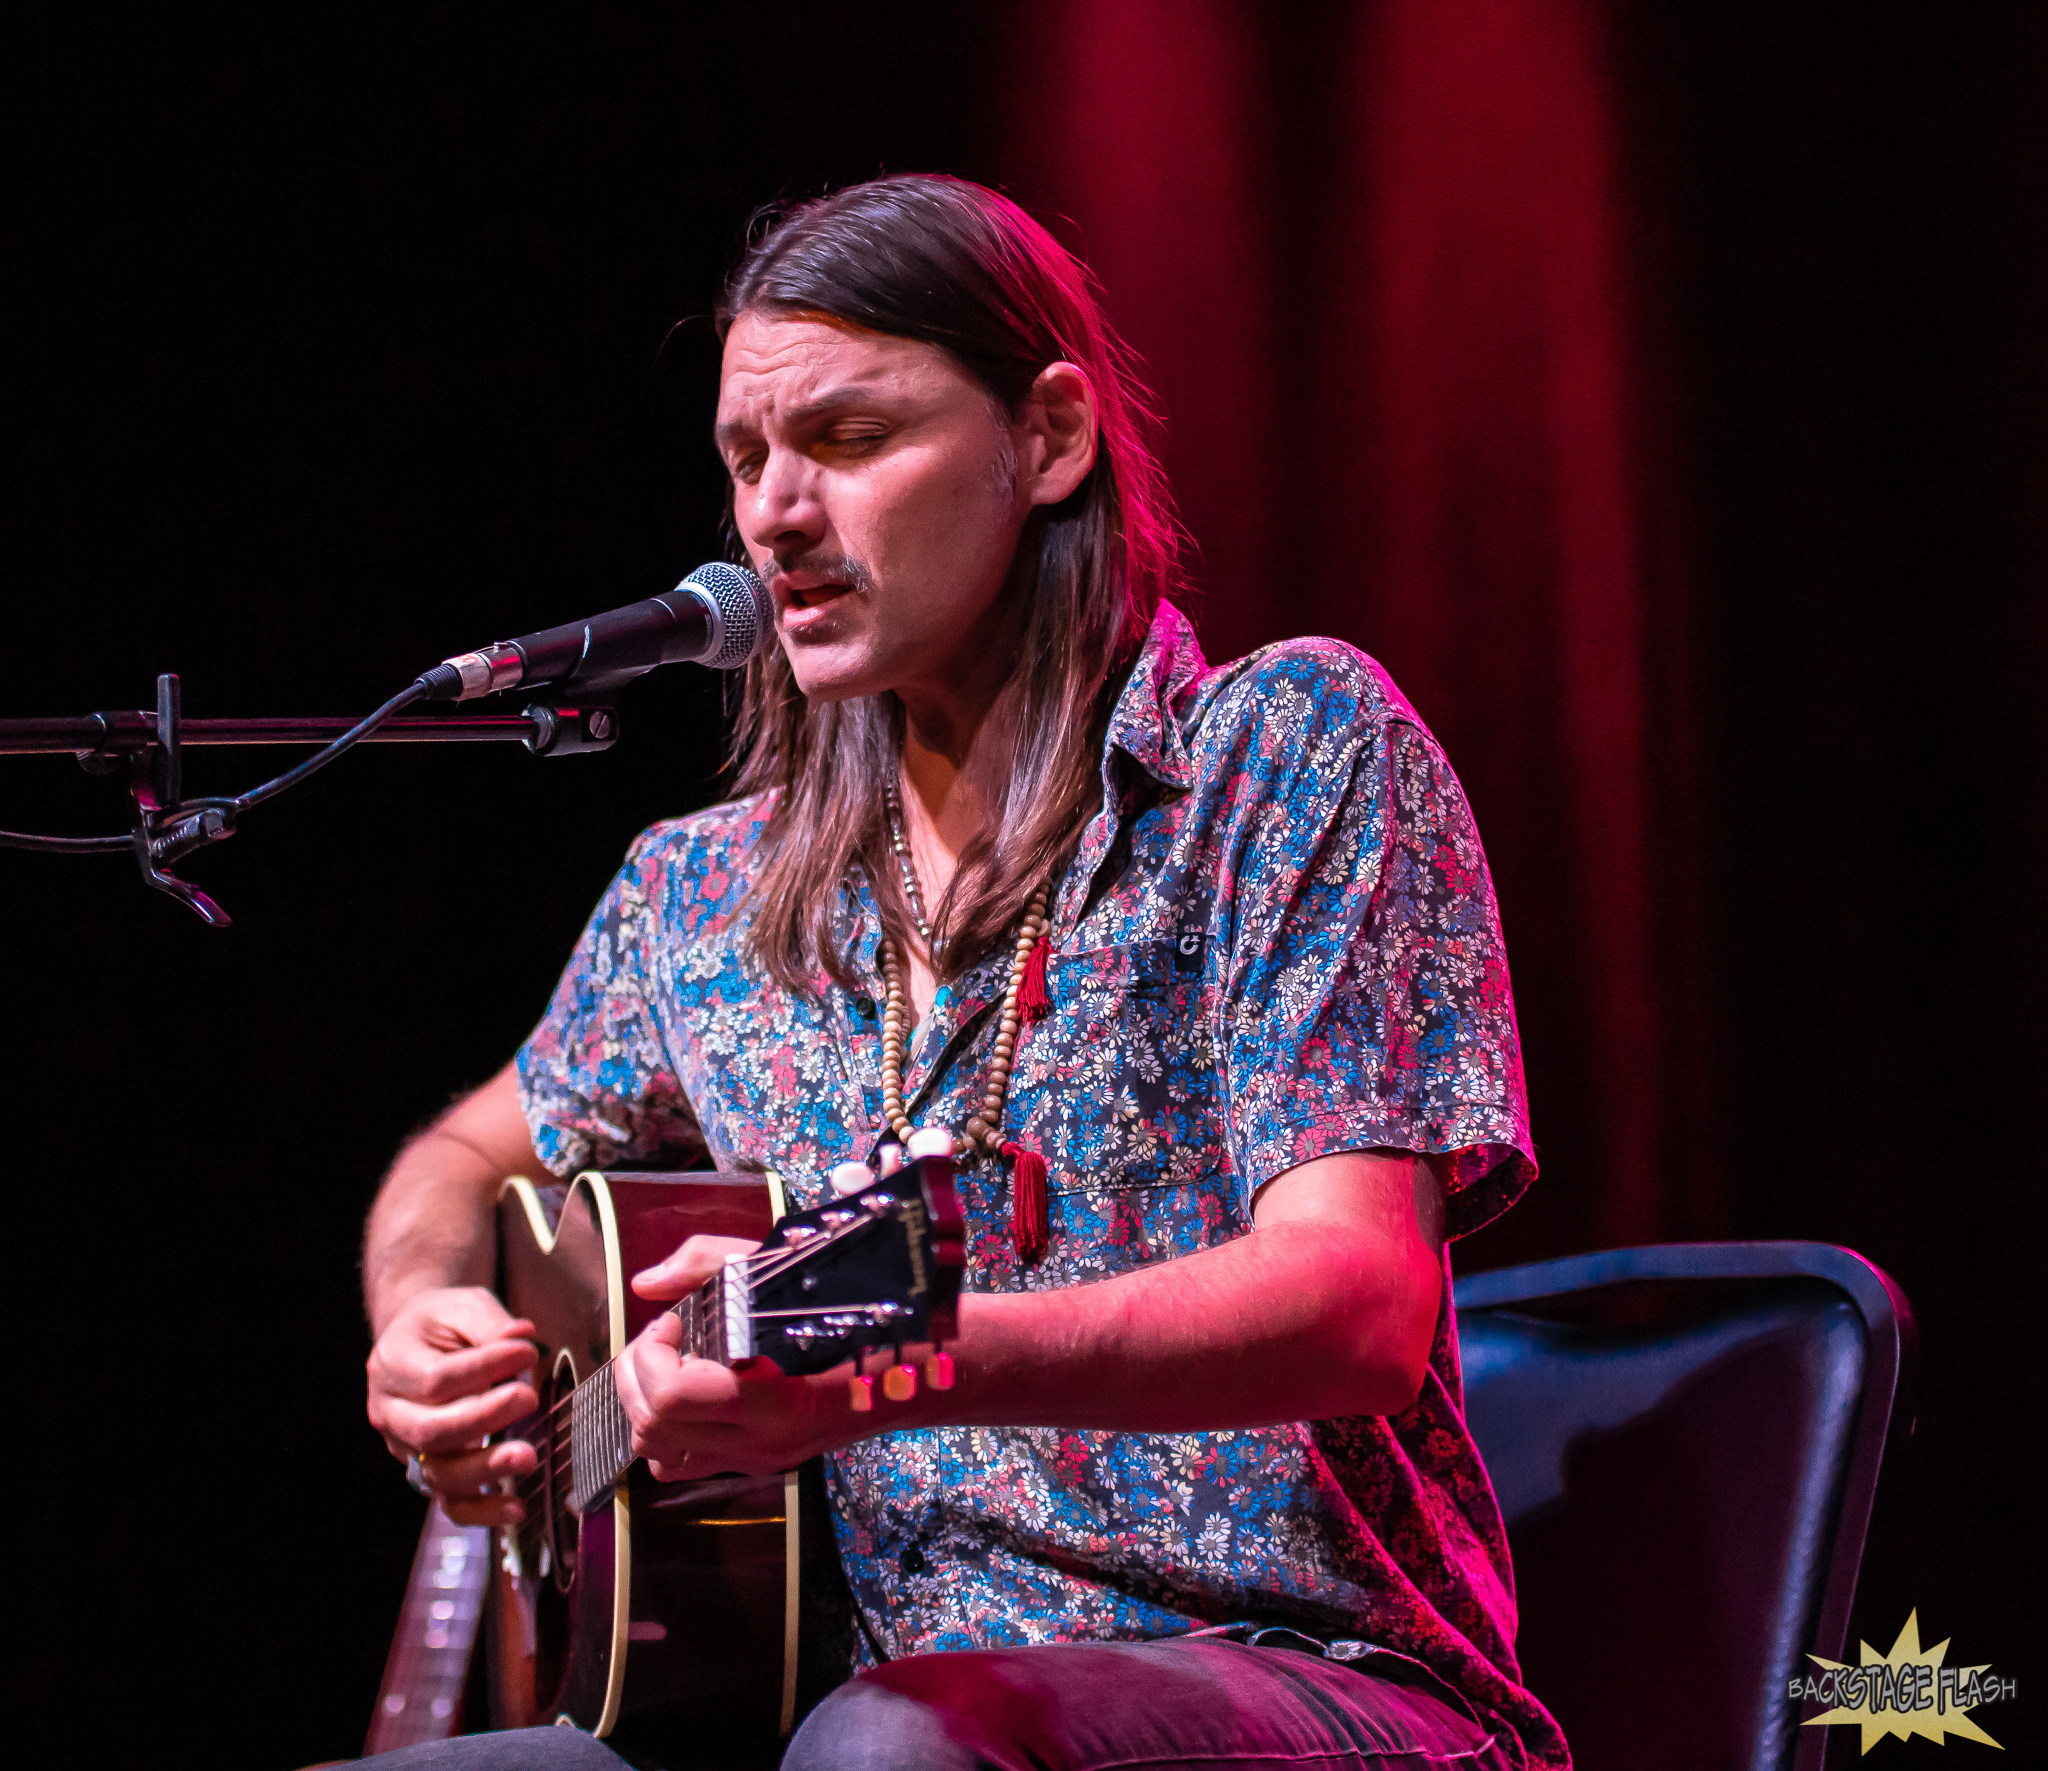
[(428, 1227), (1294, 1322), (431, 1224), (1328, 1307)]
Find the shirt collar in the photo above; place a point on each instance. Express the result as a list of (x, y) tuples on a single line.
[(1142, 725)]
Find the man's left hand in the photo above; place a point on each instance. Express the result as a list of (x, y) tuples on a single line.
[(695, 1417)]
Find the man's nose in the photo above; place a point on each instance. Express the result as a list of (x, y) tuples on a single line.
[(783, 506)]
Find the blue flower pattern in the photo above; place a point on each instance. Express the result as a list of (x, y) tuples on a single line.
[(1277, 940)]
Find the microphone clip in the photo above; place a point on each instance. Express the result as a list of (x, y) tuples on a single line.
[(164, 830), (150, 748), (571, 731)]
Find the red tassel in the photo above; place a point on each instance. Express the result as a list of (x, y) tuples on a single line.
[(1034, 1001), (1030, 1222)]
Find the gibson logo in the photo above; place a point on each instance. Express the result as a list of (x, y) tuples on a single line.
[(913, 1224)]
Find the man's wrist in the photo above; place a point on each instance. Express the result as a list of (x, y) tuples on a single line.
[(387, 1299)]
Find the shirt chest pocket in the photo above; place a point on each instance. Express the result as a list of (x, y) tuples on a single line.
[(1133, 1087)]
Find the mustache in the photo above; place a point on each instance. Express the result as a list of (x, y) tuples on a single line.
[(840, 568)]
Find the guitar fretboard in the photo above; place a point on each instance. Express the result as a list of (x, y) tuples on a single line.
[(600, 1436)]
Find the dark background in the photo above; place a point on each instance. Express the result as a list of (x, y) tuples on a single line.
[(1658, 391)]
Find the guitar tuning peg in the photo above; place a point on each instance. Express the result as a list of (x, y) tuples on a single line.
[(899, 1382), (851, 1177), (861, 1394), (938, 1371), (929, 1140), (890, 1157)]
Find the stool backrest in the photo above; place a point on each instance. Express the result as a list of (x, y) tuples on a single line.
[(1686, 1442)]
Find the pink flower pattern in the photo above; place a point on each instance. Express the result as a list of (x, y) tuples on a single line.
[(1277, 940)]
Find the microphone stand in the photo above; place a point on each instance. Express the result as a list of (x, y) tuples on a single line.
[(151, 747)]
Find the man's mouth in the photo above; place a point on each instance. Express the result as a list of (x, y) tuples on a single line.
[(803, 590)]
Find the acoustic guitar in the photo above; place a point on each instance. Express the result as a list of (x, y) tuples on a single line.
[(699, 1616)]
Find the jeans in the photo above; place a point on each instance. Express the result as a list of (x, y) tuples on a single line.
[(1086, 1706)]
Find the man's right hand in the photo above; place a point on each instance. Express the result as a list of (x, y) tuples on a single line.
[(451, 1367)]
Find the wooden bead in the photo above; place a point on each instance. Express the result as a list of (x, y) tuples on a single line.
[(981, 1131)]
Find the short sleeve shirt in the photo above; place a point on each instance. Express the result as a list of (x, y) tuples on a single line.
[(1277, 940)]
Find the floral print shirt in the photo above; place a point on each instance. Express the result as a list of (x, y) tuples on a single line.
[(1276, 940)]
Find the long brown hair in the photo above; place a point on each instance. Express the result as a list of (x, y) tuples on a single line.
[(962, 267)]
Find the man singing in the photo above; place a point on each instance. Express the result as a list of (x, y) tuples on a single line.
[(1203, 1491)]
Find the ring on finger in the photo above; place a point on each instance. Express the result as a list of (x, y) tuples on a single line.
[(416, 1474)]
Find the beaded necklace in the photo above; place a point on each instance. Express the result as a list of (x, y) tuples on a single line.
[(1025, 1000)]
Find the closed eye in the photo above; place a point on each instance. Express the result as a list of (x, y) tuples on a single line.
[(855, 439)]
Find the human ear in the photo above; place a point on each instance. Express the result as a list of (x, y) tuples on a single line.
[(1056, 428)]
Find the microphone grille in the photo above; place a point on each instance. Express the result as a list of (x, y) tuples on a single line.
[(746, 613)]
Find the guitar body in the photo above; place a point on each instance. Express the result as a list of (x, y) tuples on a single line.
[(670, 1615), (693, 1621)]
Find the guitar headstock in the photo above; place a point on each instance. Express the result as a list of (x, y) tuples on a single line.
[(874, 1268)]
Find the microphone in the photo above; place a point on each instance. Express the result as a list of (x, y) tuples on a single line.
[(720, 615)]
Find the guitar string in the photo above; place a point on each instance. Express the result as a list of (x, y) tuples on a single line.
[(561, 1457), (760, 1268), (781, 1258), (559, 1462), (696, 1298), (556, 1466), (557, 1454)]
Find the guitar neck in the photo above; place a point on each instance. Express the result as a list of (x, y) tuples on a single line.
[(874, 1268), (600, 1436)]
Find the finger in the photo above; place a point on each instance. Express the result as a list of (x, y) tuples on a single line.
[(498, 1510), (462, 1316), (422, 1375), (454, 1425), (645, 1382), (666, 1397), (669, 1378), (690, 1265), (626, 1381), (465, 1475)]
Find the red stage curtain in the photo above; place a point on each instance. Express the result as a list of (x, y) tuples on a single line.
[(1381, 266)]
